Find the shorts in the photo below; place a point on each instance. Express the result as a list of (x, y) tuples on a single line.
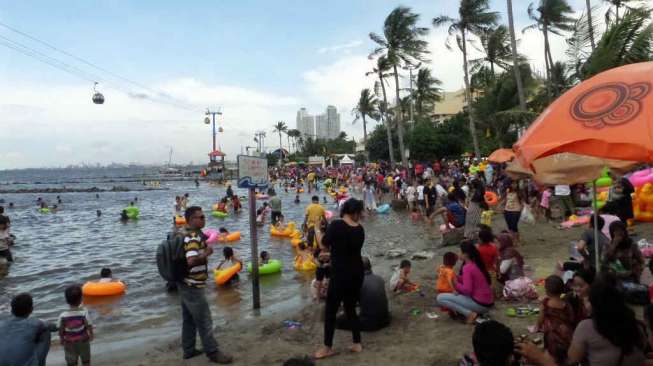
[(512, 220), (310, 237), (7, 254), (322, 273), (422, 203), (75, 350)]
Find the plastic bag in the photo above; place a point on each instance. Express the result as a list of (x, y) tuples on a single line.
[(527, 215)]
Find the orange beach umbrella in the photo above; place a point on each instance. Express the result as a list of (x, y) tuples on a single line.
[(501, 156), (609, 117)]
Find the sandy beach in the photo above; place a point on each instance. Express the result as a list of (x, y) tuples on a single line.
[(410, 339)]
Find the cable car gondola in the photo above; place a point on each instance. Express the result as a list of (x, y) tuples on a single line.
[(98, 98)]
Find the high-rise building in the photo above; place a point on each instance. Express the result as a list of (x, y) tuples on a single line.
[(333, 122), (323, 126), (305, 123)]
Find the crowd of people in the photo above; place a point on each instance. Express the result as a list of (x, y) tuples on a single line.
[(584, 316)]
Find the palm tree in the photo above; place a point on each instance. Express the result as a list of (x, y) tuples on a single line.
[(590, 26), (401, 43), (553, 17), (427, 91), (368, 106), (617, 5), (382, 66), (280, 128), (515, 58), (293, 134), (496, 47), (474, 17), (628, 41)]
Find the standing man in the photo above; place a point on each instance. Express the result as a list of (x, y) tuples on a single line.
[(275, 205), (194, 307), (431, 195), (314, 216)]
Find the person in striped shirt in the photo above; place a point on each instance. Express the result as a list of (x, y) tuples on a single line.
[(196, 313), (75, 328)]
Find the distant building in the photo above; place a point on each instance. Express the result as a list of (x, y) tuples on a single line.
[(323, 126), (451, 104), (305, 123)]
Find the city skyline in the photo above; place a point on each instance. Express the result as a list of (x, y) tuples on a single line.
[(321, 126)]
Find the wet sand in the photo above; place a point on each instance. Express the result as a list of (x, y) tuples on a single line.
[(410, 339)]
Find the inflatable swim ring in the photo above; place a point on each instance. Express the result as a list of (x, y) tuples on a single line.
[(643, 203), (384, 208), (44, 210), (132, 212), (287, 232), (180, 220), (305, 265), (301, 190), (233, 236), (103, 288), (491, 198), (273, 266), (262, 196), (222, 276), (328, 214), (219, 214)]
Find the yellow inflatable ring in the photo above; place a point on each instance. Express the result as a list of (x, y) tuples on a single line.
[(234, 236), (103, 288), (180, 220), (222, 276)]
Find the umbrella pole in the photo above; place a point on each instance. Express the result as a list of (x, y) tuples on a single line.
[(596, 227)]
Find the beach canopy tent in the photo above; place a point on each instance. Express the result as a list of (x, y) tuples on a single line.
[(346, 160), (605, 121), (501, 156)]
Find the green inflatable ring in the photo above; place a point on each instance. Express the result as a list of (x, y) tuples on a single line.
[(44, 210), (273, 266), (604, 182), (132, 212), (219, 214)]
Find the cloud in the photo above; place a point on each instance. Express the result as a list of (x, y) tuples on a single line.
[(340, 47), (59, 125)]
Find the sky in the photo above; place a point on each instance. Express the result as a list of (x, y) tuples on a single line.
[(162, 63)]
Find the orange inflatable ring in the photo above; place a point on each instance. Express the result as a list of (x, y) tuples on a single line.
[(222, 276), (103, 288), (180, 220), (491, 198), (234, 236)]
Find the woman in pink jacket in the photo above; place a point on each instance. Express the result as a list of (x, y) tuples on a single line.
[(473, 292)]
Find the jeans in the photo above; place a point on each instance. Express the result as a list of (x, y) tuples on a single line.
[(461, 304), (196, 319)]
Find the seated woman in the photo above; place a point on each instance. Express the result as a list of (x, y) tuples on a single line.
[(473, 294), (511, 262), (613, 336), (623, 257), (579, 296)]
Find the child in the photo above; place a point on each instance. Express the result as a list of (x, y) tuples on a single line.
[(235, 201), (279, 224), (229, 260), (297, 199), (222, 205), (6, 239), (75, 328), (446, 274), (487, 249), (556, 320), (302, 253), (544, 203), (265, 258), (400, 281), (261, 213), (106, 275), (222, 233)]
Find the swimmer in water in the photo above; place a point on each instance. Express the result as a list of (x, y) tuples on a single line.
[(297, 199), (98, 213), (97, 196), (123, 216)]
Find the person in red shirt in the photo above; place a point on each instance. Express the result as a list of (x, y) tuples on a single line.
[(488, 250)]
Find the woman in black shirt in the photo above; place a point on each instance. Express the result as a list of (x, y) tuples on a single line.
[(345, 239)]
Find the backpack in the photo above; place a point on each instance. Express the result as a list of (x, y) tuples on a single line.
[(171, 258)]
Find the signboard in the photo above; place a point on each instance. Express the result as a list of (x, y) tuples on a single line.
[(252, 172)]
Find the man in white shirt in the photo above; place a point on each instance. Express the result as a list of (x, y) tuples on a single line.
[(411, 193), (563, 193), (420, 198)]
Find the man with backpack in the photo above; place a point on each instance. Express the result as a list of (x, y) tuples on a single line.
[(183, 259)]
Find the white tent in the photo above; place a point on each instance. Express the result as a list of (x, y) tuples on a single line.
[(346, 160)]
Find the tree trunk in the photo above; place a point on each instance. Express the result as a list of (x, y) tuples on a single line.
[(468, 96), (280, 150), (547, 47), (364, 130), (515, 61), (589, 23), (387, 123), (617, 16), (400, 122)]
